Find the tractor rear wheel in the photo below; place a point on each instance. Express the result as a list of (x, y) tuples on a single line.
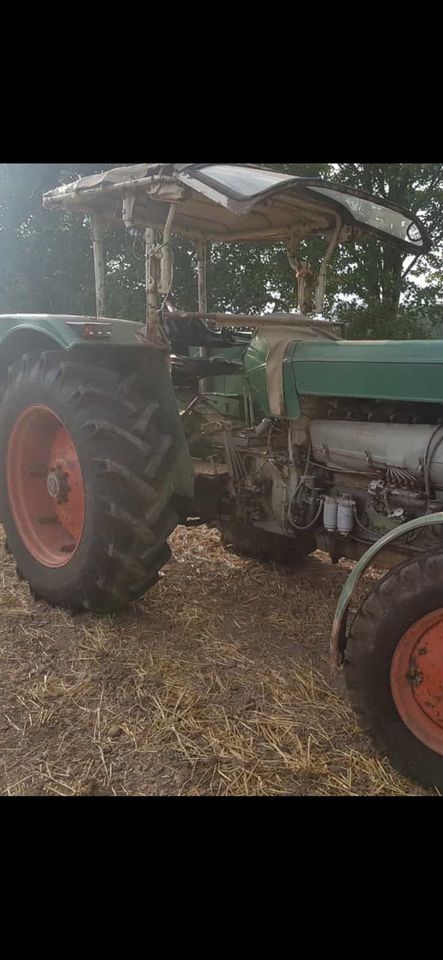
[(86, 495), (249, 541), (394, 667)]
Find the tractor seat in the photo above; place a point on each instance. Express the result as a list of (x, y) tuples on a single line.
[(195, 333), (201, 367)]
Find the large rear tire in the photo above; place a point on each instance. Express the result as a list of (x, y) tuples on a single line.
[(86, 484), (394, 667)]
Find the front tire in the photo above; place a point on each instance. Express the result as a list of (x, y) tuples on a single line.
[(394, 667), (86, 485)]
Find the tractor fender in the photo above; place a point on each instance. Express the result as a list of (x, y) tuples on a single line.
[(338, 636), (25, 333)]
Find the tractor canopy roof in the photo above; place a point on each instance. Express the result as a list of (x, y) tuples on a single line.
[(237, 202)]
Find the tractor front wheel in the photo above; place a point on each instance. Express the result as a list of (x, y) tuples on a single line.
[(394, 667), (85, 486)]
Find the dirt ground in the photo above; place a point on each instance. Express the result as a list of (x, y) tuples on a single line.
[(216, 683)]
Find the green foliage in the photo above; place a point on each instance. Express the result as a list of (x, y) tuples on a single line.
[(46, 263), (370, 285)]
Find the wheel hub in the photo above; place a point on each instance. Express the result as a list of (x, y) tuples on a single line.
[(417, 679), (58, 484), (45, 486)]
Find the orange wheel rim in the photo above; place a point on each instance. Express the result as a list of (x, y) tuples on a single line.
[(417, 679), (45, 486)]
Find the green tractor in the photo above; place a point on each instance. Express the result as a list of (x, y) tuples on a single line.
[(274, 428)]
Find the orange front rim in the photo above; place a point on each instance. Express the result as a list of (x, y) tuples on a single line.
[(417, 679), (45, 486)]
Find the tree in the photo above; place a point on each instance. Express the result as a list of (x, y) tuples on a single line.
[(372, 285), (46, 262)]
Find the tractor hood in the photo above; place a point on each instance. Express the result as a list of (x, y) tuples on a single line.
[(238, 202)]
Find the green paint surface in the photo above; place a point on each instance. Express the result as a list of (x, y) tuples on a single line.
[(122, 331), (383, 370)]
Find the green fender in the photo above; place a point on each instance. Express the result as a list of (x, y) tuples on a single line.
[(64, 329), (338, 637)]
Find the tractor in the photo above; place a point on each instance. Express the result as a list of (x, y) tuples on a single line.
[(274, 428)]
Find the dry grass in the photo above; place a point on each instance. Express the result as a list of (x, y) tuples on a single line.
[(216, 683)]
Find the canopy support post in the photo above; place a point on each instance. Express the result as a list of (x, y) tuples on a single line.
[(152, 284), (201, 249), (98, 244), (321, 285)]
